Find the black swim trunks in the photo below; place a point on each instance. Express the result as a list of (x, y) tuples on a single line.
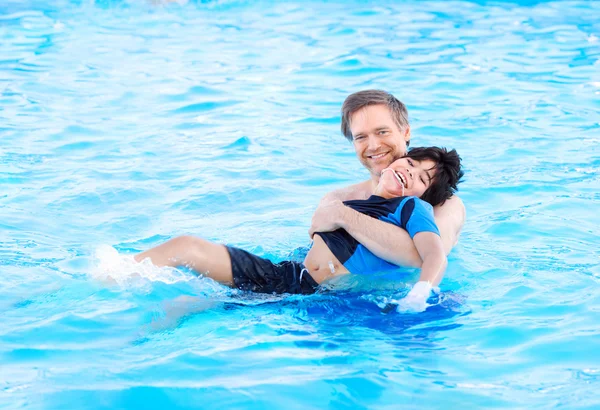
[(257, 274)]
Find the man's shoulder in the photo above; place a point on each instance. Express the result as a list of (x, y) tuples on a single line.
[(453, 206), (362, 190)]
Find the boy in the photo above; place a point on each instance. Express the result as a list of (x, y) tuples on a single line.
[(431, 174)]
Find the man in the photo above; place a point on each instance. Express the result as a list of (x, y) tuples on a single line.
[(377, 125)]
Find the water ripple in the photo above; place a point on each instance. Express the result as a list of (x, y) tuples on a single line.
[(125, 123)]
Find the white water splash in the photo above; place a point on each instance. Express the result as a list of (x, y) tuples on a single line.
[(113, 268)]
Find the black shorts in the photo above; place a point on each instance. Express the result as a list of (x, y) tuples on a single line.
[(257, 274)]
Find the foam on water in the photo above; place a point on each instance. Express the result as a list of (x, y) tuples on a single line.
[(111, 267)]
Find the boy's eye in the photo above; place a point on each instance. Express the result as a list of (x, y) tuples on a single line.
[(410, 163)]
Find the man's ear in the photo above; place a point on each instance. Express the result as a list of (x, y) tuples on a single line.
[(407, 135)]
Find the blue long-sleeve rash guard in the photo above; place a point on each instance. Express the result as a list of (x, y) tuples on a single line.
[(410, 213)]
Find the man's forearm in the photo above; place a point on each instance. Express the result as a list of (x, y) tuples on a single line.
[(387, 241)]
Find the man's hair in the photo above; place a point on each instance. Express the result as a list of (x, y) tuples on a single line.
[(361, 99), (448, 172)]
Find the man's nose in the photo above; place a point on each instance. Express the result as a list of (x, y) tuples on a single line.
[(373, 143)]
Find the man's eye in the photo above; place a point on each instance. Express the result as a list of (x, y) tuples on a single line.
[(358, 137)]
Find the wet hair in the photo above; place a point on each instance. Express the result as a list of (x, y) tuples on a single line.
[(361, 99), (448, 172)]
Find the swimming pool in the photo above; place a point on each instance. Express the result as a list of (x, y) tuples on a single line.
[(124, 124)]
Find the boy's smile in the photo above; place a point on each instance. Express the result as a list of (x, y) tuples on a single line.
[(406, 177)]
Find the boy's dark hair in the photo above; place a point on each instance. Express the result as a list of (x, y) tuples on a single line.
[(448, 172), (356, 101)]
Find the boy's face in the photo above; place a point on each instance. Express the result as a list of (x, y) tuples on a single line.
[(406, 177)]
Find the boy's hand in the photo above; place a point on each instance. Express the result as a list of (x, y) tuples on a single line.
[(416, 300)]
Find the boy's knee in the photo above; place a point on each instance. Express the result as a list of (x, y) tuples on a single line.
[(188, 241), (191, 245)]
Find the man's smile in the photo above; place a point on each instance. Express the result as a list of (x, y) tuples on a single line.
[(377, 156)]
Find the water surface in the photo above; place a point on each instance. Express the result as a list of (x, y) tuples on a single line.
[(124, 124)]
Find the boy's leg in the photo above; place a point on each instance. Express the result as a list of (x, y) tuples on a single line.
[(206, 258)]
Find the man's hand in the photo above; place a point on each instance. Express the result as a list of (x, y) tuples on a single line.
[(328, 216)]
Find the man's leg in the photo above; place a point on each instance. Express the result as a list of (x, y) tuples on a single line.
[(206, 258)]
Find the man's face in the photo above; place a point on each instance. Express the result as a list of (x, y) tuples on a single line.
[(377, 138)]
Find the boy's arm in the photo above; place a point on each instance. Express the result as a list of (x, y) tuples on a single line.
[(431, 249)]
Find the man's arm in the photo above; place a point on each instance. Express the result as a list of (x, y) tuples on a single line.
[(450, 219), (393, 243), (385, 240)]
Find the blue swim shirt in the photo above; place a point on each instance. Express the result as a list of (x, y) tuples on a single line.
[(410, 213)]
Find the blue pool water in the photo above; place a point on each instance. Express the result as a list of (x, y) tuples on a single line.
[(123, 124)]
